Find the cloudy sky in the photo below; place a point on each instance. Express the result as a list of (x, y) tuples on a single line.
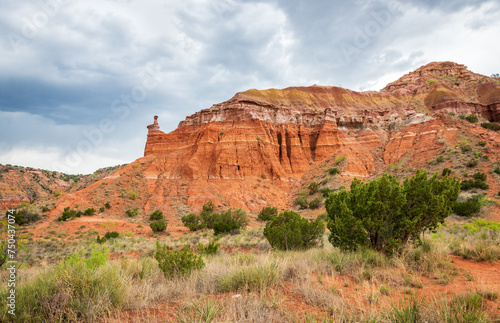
[(81, 80)]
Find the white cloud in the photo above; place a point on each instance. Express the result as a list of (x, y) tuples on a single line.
[(88, 54)]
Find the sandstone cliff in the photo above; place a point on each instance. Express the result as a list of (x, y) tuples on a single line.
[(262, 147)]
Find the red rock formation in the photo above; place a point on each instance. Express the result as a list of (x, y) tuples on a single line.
[(258, 148), (281, 134)]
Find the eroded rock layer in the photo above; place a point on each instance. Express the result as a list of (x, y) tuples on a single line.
[(262, 147)]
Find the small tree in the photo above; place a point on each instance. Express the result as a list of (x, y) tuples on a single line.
[(156, 215), (158, 226), (383, 214), (207, 215), (24, 216), (313, 188), (230, 221), (267, 213), (291, 231), (192, 221)]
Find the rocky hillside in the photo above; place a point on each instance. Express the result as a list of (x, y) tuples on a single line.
[(28, 185), (265, 147)]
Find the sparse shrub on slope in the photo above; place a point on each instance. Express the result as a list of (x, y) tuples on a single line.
[(478, 182), (267, 213), (491, 126), (177, 263), (290, 231), (383, 214), (313, 188), (301, 202), (132, 212), (69, 215), (472, 118), (156, 215), (314, 204), (333, 171), (89, 211), (24, 216)]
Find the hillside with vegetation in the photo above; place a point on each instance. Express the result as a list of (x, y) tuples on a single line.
[(307, 204)]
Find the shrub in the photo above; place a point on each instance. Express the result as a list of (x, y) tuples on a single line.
[(313, 188), (478, 183), (490, 126), (111, 235), (211, 249), (107, 236), (334, 171), (69, 214), (471, 163), (177, 263), (132, 213), (301, 202), (207, 214), (481, 143), (479, 176), (71, 291), (45, 209), (193, 222), (446, 172), (472, 118), (230, 221), (156, 215), (89, 211), (314, 204), (24, 216), (107, 205), (383, 214), (497, 170), (158, 225), (101, 240), (267, 213), (467, 208), (291, 231), (132, 195), (101, 209), (481, 225), (465, 148), (339, 159)]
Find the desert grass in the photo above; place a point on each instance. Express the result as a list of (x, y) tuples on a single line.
[(246, 281)]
